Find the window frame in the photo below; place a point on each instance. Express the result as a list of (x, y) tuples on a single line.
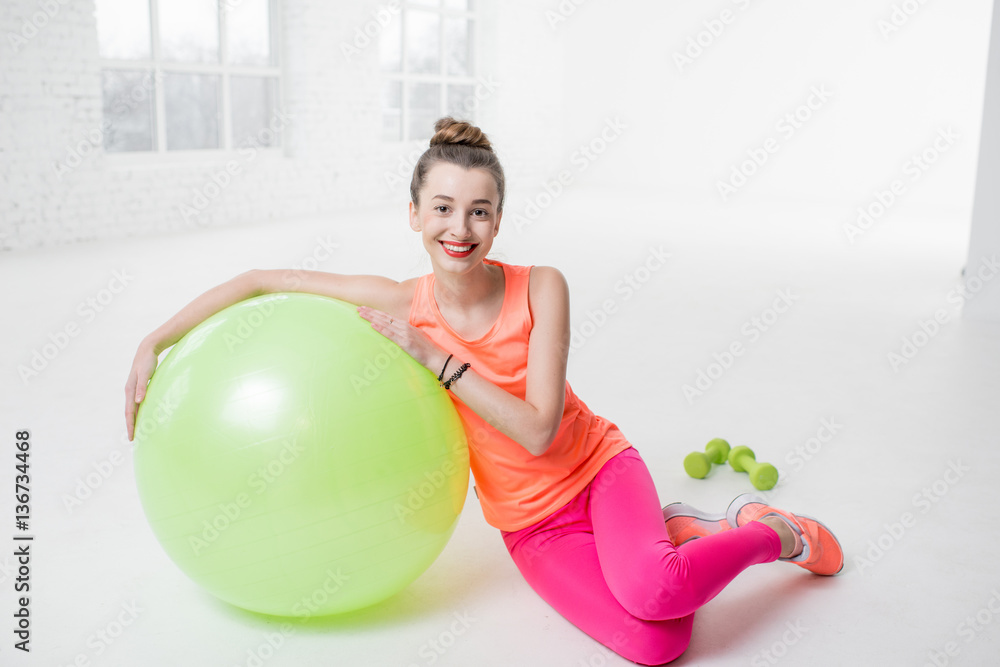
[(158, 67), (442, 77)]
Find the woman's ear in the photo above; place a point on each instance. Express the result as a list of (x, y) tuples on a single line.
[(496, 227), (414, 218)]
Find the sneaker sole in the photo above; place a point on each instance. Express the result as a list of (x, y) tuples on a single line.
[(682, 511), (679, 509)]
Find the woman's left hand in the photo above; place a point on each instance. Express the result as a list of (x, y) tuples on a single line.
[(412, 340)]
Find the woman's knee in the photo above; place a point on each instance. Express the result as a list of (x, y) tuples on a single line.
[(653, 642)]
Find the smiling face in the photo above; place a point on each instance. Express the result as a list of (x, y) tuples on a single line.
[(457, 215)]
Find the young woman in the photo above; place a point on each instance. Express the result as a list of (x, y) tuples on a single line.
[(572, 498)]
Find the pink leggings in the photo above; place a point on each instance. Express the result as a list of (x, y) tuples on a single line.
[(605, 563)]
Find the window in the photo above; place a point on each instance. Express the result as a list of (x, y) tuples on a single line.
[(182, 75), (428, 67)]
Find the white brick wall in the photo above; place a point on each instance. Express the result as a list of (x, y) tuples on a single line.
[(51, 114)]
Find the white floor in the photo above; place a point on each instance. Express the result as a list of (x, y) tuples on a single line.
[(905, 472)]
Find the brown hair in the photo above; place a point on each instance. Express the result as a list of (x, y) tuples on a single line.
[(460, 143)]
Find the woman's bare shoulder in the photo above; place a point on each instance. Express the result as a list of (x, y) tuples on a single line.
[(547, 287), (545, 278)]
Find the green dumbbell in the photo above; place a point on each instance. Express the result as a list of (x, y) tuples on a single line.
[(698, 464), (762, 475)]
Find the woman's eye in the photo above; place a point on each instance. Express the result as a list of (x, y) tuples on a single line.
[(480, 212), (442, 208)]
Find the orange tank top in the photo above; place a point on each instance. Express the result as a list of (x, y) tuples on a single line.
[(515, 488)]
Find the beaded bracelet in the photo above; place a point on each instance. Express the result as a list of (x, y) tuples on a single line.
[(441, 375), (461, 369)]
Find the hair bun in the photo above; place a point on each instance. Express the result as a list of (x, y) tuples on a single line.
[(450, 131)]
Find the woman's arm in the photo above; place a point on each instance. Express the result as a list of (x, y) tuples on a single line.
[(375, 290), (533, 422), (243, 286), (354, 289), (219, 297)]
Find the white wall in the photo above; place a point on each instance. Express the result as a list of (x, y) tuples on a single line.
[(334, 159), (691, 123), (559, 75), (984, 241), (50, 96)]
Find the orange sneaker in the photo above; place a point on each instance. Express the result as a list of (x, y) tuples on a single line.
[(821, 552), (685, 523)]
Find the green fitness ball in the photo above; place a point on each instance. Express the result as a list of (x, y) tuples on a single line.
[(293, 461)]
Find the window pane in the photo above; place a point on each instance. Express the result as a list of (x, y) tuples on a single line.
[(392, 111), (123, 29), (192, 103), (461, 101), (423, 42), (249, 33), (461, 5), (390, 45), (457, 40), (424, 109), (254, 119), (128, 110), (189, 30)]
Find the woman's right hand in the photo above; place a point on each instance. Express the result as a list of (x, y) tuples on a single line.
[(135, 389)]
